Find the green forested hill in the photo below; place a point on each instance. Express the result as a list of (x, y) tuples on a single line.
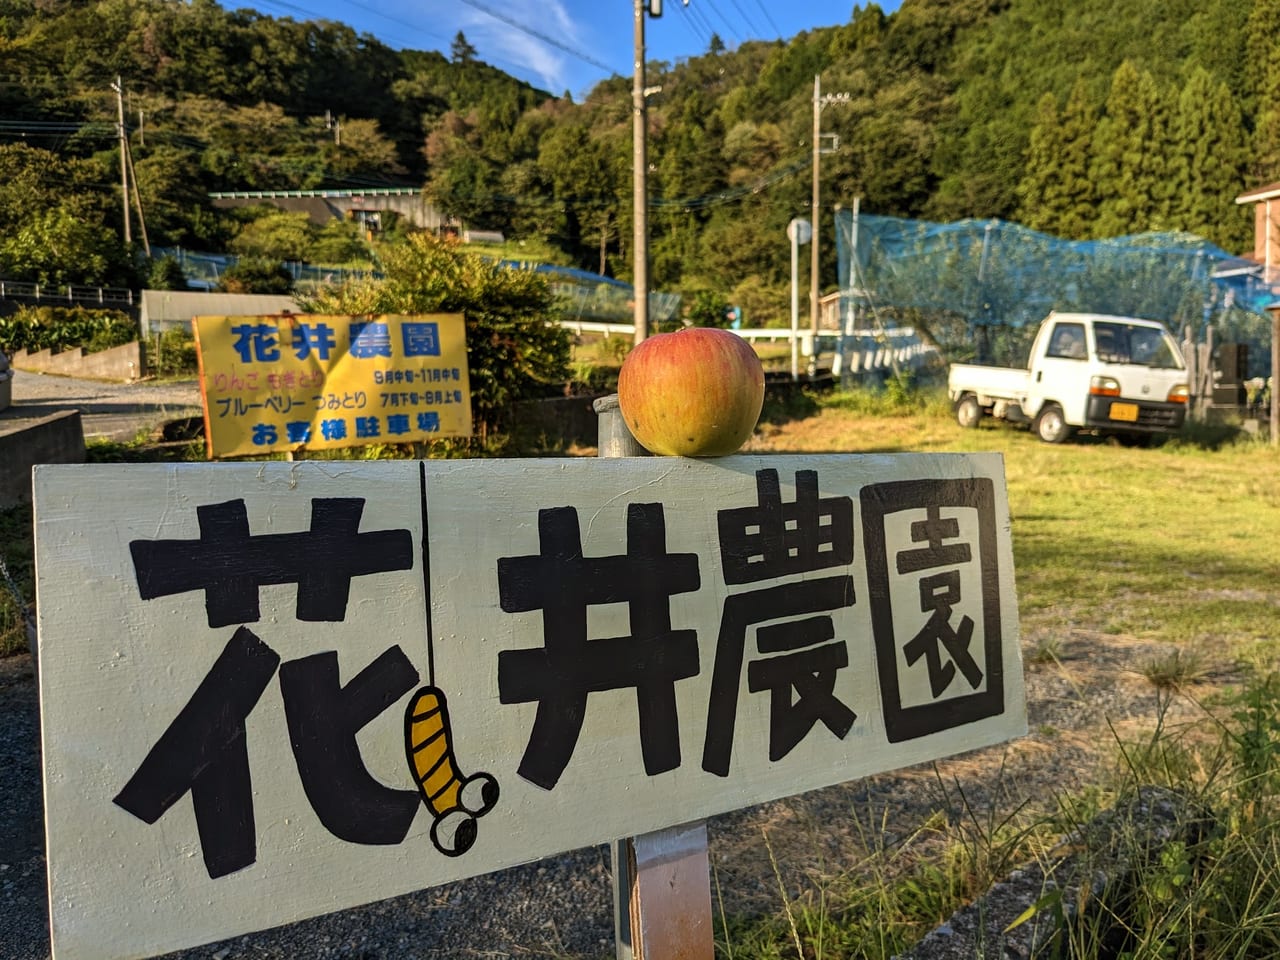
[(1081, 118)]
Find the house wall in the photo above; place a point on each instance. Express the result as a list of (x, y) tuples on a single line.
[(162, 309), (1266, 236)]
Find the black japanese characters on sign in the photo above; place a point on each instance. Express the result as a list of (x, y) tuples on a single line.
[(324, 718), (947, 650), (562, 583), (204, 749), (810, 657), (768, 541), (229, 564), (773, 539), (788, 568), (797, 654)]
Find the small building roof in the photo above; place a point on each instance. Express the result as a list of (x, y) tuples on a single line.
[(1269, 192), (165, 308)]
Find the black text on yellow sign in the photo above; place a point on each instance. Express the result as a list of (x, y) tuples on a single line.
[(292, 382)]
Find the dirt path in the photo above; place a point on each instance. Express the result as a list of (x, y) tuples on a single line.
[(113, 411)]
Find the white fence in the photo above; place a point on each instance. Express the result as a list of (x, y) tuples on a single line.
[(862, 351), (106, 296)]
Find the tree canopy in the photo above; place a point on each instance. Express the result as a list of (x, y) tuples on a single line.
[(1085, 120)]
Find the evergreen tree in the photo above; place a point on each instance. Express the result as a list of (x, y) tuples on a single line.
[(1131, 147), (1260, 33), (1056, 194), (1207, 166), (1078, 123), (1265, 165), (581, 168), (1040, 198), (461, 51), (1261, 95)]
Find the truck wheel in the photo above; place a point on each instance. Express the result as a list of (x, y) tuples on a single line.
[(968, 411), (1050, 425)]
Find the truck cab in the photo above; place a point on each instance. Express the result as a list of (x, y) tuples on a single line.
[(1104, 374)]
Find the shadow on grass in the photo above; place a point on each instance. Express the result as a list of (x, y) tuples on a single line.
[(786, 400)]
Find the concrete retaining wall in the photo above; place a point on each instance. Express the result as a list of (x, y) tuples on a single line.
[(123, 363), (55, 439), (556, 423)]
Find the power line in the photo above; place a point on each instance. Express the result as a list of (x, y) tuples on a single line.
[(696, 26), (698, 19), (736, 193), (733, 33), (538, 35), (765, 10), (313, 16), (747, 20)]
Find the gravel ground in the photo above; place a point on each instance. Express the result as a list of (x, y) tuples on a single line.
[(562, 907), (114, 411)]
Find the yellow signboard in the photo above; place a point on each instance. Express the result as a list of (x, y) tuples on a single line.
[(318, 382)]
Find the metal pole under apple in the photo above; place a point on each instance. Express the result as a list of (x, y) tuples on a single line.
[(798, 232)]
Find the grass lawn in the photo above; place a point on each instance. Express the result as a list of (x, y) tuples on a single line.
[(1175, 542)]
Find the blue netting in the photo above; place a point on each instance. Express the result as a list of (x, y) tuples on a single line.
[(989, 273), (589, 296)]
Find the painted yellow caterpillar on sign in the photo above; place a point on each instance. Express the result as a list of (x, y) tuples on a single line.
[(455, 801)]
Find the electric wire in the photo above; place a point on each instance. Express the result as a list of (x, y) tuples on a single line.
[(746, 19), (700, 23), (695, 25), (765, 10), (729, 27), (539, 35)]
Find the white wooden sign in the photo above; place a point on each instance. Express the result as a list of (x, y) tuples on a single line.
[(275, 690)]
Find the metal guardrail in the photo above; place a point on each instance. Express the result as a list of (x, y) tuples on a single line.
[(335, 193), (104, 296)]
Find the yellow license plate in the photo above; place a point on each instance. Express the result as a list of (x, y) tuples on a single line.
[(1124, 411)]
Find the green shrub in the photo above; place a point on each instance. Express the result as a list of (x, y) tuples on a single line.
[(165, 273), (17, 577), (514, 348), (172, 354), (709, 309), (256, 275), (64, 328)]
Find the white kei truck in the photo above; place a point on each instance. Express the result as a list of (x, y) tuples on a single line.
[(1115, 376)]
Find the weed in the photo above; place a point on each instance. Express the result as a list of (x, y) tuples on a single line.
[(1178, 668), (17, 578), (1046, 651)]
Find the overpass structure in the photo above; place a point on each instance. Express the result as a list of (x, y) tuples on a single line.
[(364, 206)]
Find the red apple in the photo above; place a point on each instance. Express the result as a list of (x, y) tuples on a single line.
[(693, 393)]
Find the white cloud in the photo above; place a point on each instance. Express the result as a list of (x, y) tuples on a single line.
[(523, 51)]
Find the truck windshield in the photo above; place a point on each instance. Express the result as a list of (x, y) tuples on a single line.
[(1129, 343)]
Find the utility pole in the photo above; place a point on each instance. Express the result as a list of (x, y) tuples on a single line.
[(640, 167), (819, 101), (118, 87), (137, 199), (639, 134)]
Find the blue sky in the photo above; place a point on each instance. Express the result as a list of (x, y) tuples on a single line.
[(561, 45)]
